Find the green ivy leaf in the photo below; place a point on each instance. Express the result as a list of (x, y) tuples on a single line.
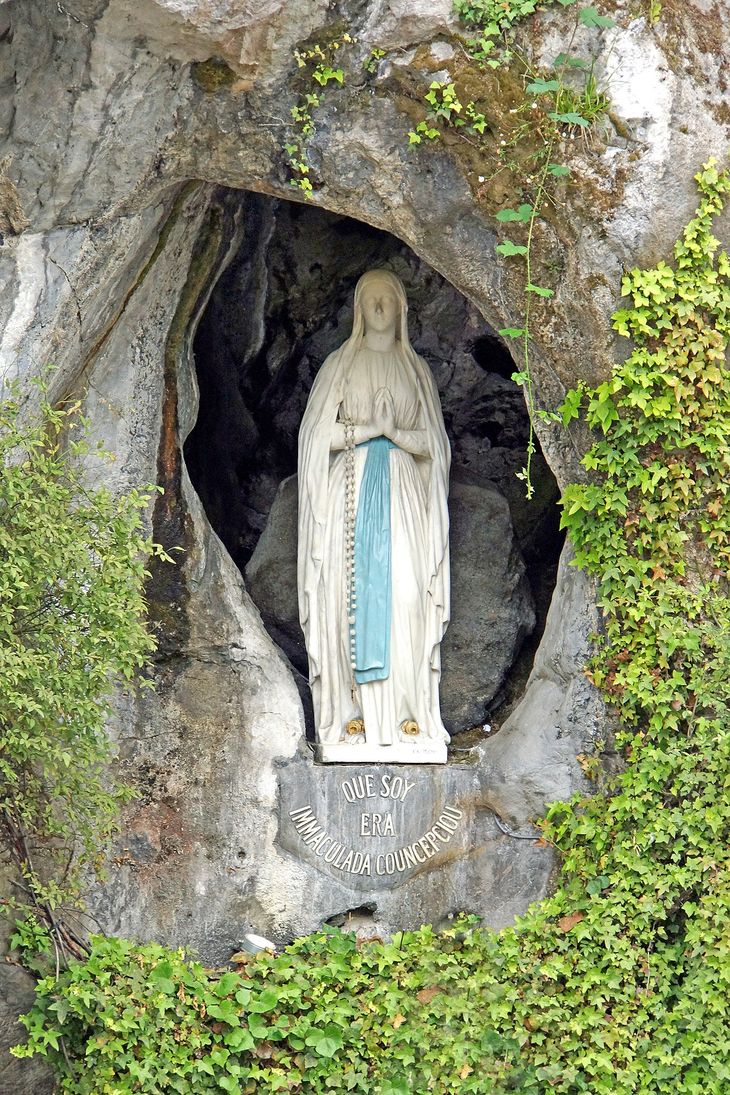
[(570, 117), (539, 290), (590, 17), (227, 983), (258, 1027), (507, 247), (597, 885), (61, 1008), (325, 1041), (395, 1087), (571, 404), (226, 1011), (239, 1039), (230, 1084), (523, 214), (265, 1002), (539, 87)]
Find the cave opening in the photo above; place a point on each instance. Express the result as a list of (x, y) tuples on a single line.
[(281, 304)]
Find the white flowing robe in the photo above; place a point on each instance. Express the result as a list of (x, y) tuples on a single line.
[(345, 387)]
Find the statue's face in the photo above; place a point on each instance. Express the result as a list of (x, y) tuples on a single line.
[(379, 307)]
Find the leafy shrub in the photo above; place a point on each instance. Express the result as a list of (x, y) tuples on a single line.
[(72, 569), (326, 1015)]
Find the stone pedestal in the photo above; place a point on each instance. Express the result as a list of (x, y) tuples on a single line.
[(403, 752)]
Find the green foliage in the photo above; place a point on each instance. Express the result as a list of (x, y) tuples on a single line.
[(373, 60), (444, 102), (580, 107), (557, 109), (445, 106), (146, 1019), (33, 943), (318, 65), (494, 22), (415, 136), (665, 414), (653, 10), (617, 984), (558, 104), (72, 613)]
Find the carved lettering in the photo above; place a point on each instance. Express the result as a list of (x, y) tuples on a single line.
[(395, 787), (332, 853), (409, 857), (375, 824), (358, 787)]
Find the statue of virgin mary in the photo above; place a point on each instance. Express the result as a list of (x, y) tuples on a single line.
[(373, 550)]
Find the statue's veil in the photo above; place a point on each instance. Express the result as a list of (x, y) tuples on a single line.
[(315, 440)]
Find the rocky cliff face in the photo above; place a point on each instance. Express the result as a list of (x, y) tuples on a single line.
[(120, 120)]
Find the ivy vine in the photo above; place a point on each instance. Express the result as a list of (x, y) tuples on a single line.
[(557, 103)]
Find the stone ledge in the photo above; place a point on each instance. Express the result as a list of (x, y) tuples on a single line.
[(401, 753)]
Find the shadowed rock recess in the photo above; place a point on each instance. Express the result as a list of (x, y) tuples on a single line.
[(143, 187)]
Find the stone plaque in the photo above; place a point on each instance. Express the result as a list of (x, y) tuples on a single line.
[(372, 827)]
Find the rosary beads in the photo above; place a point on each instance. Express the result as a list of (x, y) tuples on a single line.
[(350, 595)]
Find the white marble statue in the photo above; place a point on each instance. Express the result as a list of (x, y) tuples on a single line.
[(373, 552)]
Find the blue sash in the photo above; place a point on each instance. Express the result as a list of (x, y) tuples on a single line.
[(372, 565)]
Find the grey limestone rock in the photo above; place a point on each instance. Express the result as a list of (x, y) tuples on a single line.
[(17, 1077), (532, 760), (271, 574), (491, 604)]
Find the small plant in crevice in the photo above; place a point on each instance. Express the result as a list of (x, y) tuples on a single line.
[(446, 107), (495, 22), (320, 69), (652, 9), (371, 62), (571, 110)]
